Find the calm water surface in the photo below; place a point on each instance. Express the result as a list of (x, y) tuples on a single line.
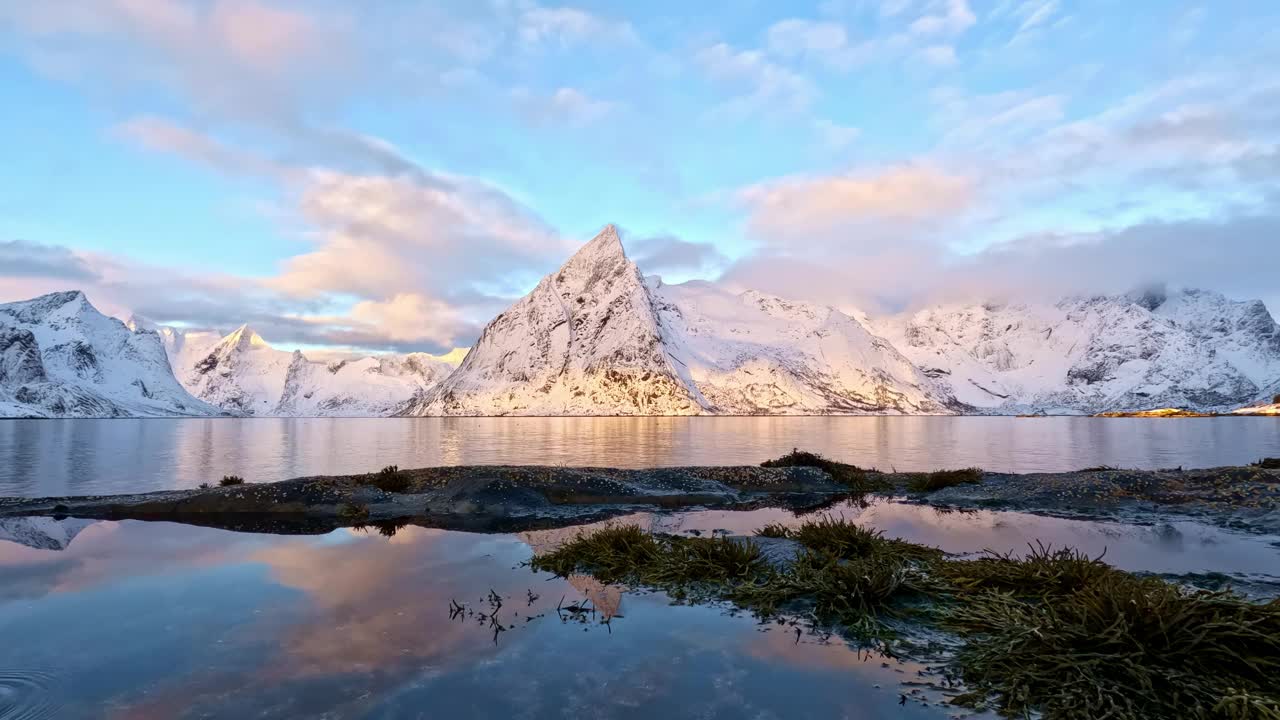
[(157, 620), (137, 620), (69, 457)]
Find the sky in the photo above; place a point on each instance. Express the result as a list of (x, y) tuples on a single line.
[(388, 175)]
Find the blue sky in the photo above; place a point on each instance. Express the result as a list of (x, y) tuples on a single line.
[(390, 174)]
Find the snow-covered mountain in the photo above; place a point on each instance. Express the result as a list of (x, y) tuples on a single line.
[(239, 373), (367, 387), (752, 354), (585, 341), (597, 338), (1190, 349), (244, 375), (60, 357)]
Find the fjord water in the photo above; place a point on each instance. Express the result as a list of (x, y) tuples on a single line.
[(141, 620), (77, 457)]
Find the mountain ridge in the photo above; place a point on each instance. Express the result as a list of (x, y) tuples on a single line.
[(597, 337)]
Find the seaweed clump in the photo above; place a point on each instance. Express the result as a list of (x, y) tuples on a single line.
[(931, 481), (388, 479), (1054, 633), (859, 479), (1124, 647)]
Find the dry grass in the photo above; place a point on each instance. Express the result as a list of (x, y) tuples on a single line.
[(229, 480)]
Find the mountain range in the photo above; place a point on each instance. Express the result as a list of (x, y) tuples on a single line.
[(597, 337)]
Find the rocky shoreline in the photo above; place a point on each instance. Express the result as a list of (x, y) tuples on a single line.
[(511, 498)]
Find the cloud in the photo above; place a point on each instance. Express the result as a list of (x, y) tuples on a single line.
[(951, 17), (823, 41), (939, 55), (768, 85), (836, 137), (1217, 254), (565, 106), (802, 206), (239, 58), (669, 254), (24, 259), (565, 26)]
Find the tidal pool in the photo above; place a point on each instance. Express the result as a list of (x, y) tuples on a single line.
[(159, 620)]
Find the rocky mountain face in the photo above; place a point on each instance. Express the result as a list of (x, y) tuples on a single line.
[(60, 357), (586, 341), (244, 375), (1191, 349), (597, 338)]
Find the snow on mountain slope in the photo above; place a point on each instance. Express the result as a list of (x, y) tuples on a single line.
[(367, 387), (585, 341), (752, 354), (60, 357), (595, 338), (1087, 355), (1241, 332), (42, 533), (239, 373)]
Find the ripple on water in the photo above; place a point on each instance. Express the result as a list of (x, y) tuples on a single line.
[(26, 695)]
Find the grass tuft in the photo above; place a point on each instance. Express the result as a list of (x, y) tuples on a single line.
[(931, 481), (1124, 647), (846, 541), (1056, 633), (229, 480), (857, 478), (388, 479)]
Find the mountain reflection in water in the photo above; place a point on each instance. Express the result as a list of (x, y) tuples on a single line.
[(157, 620)]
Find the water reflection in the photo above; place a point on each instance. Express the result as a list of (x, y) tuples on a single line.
[(155, 620), (66, 457)]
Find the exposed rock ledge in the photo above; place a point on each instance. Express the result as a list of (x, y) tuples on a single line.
[(501, 498)]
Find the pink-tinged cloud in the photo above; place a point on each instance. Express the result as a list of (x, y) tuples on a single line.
[(793, 207)]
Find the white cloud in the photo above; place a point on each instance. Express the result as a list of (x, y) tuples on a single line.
[(836, 137), (939, 55), (821, 41), (769, 85), (951, 17), (565, 26), (565, 106)]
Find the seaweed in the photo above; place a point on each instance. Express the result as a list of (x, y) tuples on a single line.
[(859, 479), (1056, 633), (931, 481)]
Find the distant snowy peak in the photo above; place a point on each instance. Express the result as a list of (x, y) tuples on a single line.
[(585, 341), (60, 357), (752, 353), (1191, 349), (596, 338), (243, 374), (239, 373), (367, 387)]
